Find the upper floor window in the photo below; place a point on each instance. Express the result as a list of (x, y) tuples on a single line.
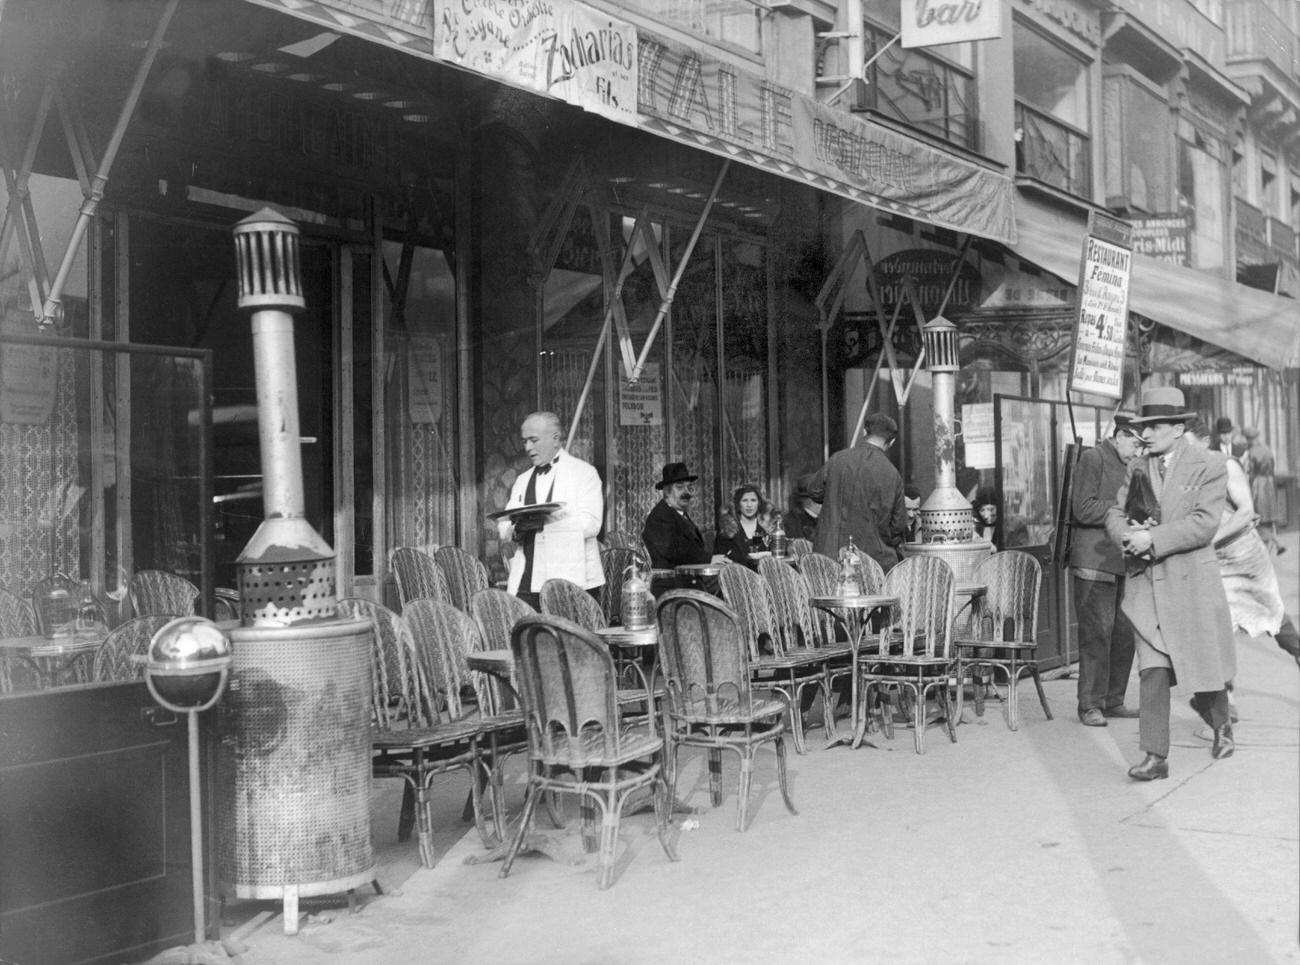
[(735, 22), (1270, 188), (922, 87), (1051, 88)]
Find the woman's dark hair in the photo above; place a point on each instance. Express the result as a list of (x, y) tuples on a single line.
[(763, 505), (985, 497)]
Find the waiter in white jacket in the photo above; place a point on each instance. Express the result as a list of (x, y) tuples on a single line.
[(560, 544)]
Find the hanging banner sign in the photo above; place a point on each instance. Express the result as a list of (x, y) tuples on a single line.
[(926, 23), (565, 50), (427, 381), (1101, 328), (641, 403), (695, 99)]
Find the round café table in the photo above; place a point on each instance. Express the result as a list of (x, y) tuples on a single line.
[(854, 612), (54, 661), (695, 576)]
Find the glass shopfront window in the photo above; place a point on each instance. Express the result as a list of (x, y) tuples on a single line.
[(1202, 174), (932, 88), (745, 367), (736, 22)]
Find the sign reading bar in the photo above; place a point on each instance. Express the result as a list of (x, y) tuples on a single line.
[(565, 50), (1164, 237), (1097, 355), (929, 22)]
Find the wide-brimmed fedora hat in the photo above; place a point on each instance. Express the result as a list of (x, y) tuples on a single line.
[(1162, 404), (675, 472)]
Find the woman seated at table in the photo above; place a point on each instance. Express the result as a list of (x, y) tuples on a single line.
[(743, 533)]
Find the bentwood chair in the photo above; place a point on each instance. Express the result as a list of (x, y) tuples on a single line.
[(564, 598), (916, 653), (114, 658), (711, 695), (1007, 641), (419, 728), (418, 576), (17, 619), (792, 594), (465, 575), (782, 654), (159, 593), (799, 547), (577, 744)]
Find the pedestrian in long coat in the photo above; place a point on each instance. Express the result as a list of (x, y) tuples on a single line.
[(1173, 594)]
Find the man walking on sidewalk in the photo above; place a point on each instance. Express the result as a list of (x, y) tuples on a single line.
[(1097, 577), (1172, 593)]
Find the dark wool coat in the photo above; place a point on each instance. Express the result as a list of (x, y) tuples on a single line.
[(1097, 478), (1177, 603), (862, 497)]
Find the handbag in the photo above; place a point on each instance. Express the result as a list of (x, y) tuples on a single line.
[(1141, 506)]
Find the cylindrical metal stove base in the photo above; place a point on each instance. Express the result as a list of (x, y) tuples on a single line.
[(293, 789), (963, 557)]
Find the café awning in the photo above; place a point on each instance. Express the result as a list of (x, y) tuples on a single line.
[(1254, 324), (587, 58)]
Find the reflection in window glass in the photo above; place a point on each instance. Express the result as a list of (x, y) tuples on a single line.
[(1050, 78), (1025, 430), (1200, 184), (744, 394), (735, 22), (693, 379), (420, 394)]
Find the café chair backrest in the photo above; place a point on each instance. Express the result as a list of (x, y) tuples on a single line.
[(923, 618), (397, 691), (418, 576), (113, 659), (564, 598), (465, 575), (159, 593), (496, 612), (17, 618)]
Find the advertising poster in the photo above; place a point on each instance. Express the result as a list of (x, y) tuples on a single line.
[(977, 435), (641, 403), (1101, 328)]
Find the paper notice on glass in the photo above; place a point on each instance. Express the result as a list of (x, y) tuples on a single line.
[(977, 434), (641, 403), (427, 380), (1100, 336)]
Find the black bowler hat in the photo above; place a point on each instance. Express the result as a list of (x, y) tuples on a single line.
[(675, 472)]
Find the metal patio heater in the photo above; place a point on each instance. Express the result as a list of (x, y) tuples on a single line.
[(947, 523), (295, 762)]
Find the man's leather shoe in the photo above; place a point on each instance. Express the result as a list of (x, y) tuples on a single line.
[(1121, 711), (1223, 744), (1153, 768), (1092, 718)]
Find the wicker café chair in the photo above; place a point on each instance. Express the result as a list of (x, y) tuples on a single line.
[(916, 654), (782, 654), (576, 743), (444, 638), (419, 729), (159, 593), (710, 692), (114, 658), (495, 613), (799, 547), (871, 574), (791, 593), (418, 576), (564, 598), (1007, 641), (615, 561), (464, 575), (17, 619)]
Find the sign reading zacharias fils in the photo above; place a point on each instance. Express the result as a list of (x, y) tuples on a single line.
[(558, 48)]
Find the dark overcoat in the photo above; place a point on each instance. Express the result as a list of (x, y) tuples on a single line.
[(672, 539), (862, 497), (1177, 602)]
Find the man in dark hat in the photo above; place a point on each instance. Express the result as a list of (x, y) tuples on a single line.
[(1222, 438), (801, 521), (1097, 576), (1173, 594), (670, 535)]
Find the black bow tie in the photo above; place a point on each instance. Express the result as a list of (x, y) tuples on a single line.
[(543, 470)]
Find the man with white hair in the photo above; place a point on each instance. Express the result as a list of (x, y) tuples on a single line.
[(558, 543)]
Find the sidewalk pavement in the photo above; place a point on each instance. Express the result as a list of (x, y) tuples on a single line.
[(1006, 847)]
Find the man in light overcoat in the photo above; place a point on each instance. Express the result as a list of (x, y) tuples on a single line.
[(1173, 594)]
